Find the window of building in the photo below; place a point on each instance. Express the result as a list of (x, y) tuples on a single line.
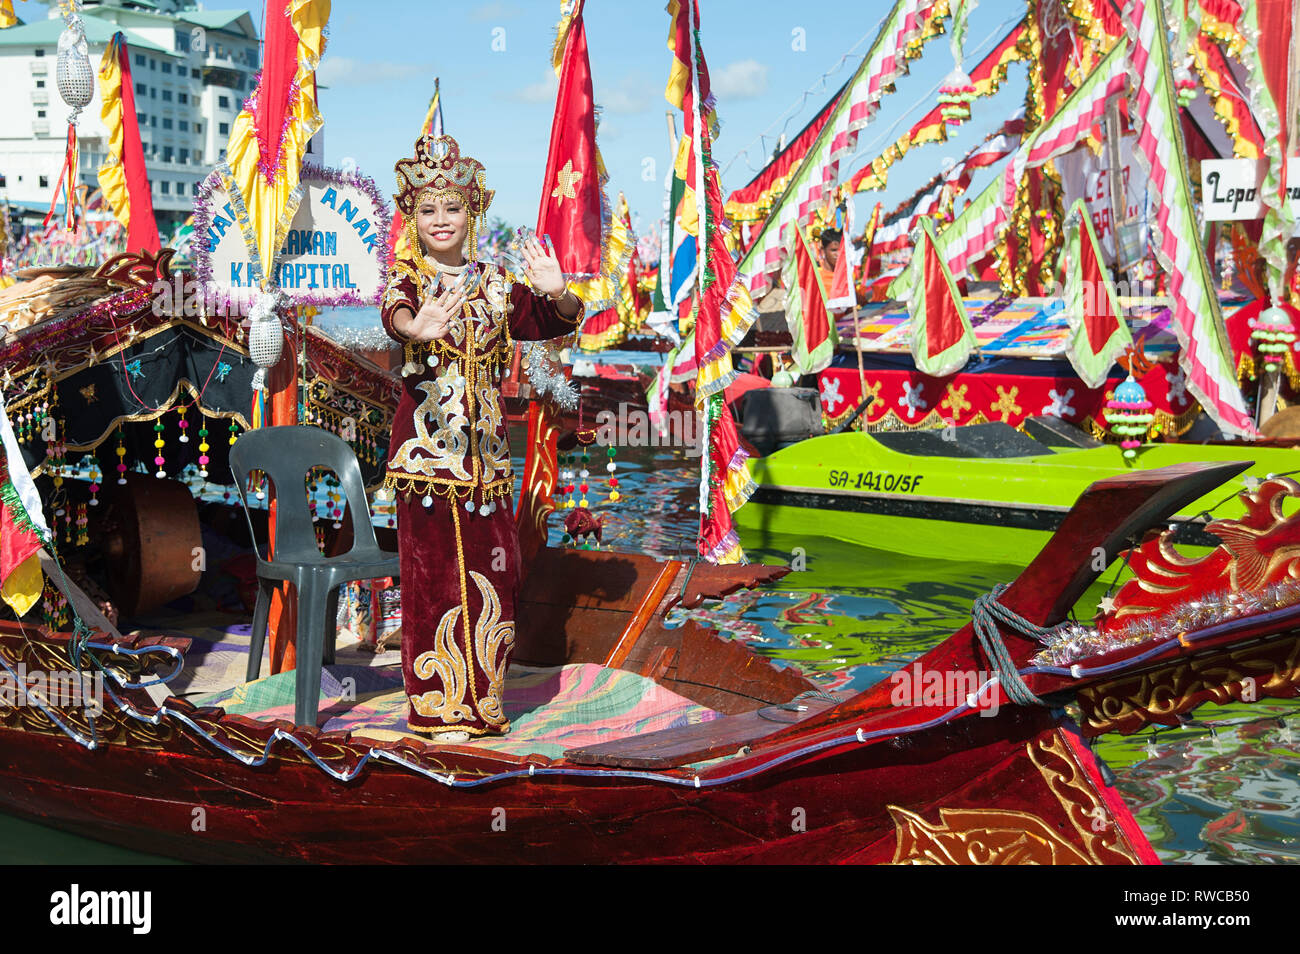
[(142, 119), (167, 123), (153, 92), (182, 98), (167, 153), (40, 84), (153, 64), (180, 188), (141, 89), (223, 129), (167, 96), (223, 102), (194, 72), (183, 125), (194, 187), (198, 129), (182, 155), (153, 121), (38, 52), (40, 114), (44, 182), (165, 187), (221, 156), (139, 59), (166, 67)]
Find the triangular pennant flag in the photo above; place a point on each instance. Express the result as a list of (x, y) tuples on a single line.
[(805, 308), (942, 338), (841, 294), (1098, 333)]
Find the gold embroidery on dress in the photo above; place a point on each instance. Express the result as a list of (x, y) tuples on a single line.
[(493, 446), (446, 662), (445, 448), (493, 638)]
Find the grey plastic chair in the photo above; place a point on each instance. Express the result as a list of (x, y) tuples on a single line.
[(286, 455)]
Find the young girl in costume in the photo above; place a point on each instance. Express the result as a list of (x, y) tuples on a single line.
[(449, 459)]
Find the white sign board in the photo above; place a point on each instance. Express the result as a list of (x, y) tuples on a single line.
[(334, 253), (1230, 188), (1087, 176)]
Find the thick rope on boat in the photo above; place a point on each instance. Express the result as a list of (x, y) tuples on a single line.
[(986, 614)]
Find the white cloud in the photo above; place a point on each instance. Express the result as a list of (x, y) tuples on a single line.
[(494, 11), (335, 70), (743, 79), (543, 91)]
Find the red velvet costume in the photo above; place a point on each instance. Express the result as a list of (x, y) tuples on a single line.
[(449, 463)]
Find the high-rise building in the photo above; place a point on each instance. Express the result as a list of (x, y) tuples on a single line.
[(192, 70)]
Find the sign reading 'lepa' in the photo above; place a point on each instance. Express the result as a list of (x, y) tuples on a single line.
[(335, 251), (1230, 188)]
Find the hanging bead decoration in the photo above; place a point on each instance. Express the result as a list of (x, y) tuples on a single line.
[(566, 474), (158, 443), (83, 536), (121, 456), (1129, 415), (204, 447), (234, 433), (183, 424), (96, 475), (612, 468), (1273, 333), (583, 474), (55, 608)]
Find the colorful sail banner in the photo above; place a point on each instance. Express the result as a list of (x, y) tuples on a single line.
[(908, 26), (269, 137), (123, 176), (941, 335), (1197, 320), (1098, 332)]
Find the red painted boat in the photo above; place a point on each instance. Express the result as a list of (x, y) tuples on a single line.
[(894, 773)]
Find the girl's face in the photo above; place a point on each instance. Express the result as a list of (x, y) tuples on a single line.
[(443, 223)]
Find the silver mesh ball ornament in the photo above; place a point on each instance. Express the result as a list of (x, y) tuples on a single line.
[(73, 73), (265, 337)]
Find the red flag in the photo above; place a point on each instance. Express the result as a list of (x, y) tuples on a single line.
[(126, 182), (1100, 322), (943, 324), (840, 294), (570, 207), (815, 320)]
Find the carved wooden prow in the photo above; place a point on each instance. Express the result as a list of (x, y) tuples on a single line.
[(1109, 517)]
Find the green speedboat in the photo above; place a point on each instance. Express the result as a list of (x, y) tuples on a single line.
[(985, 489)]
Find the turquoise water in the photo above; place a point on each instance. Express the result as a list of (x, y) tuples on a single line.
[(853, 615)]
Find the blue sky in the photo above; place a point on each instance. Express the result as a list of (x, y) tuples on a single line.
[(383, 55)]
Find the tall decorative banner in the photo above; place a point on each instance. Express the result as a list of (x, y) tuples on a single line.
[(1205, 356), (22, 525), (724, 310), (752, 201), (123, 176), (909, 24), (942, 339), (805, 307), (1098, 332), (269, 137), (432, 126), (571, 203), (1267, 26), (985, 80), (609, 327)]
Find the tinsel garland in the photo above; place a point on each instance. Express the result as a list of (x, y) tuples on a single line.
[(546, 375), (1073, 642), (22, 521), (358, 339)]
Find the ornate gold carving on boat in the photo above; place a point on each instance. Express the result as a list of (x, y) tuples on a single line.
[(1242, 675), (981, 836)]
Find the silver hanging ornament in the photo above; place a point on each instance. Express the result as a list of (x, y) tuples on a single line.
[(73, 72), (265, 335)]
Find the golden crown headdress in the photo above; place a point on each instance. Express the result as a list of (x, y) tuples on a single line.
[(438, 166)]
